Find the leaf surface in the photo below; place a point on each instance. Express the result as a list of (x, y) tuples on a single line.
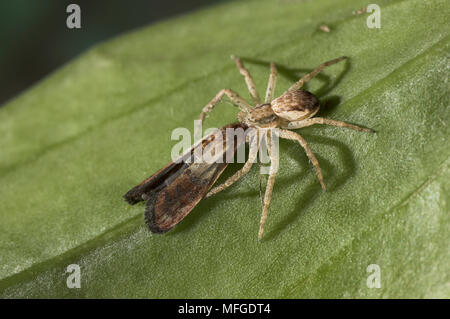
[(75, 143)]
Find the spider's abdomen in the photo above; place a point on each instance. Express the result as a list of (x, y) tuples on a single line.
[(295, 105)]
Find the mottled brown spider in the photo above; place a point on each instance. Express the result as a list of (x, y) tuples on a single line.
[(294, 109)]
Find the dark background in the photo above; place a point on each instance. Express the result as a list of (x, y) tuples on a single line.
[(34, 39)]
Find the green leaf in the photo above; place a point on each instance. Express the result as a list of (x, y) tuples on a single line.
[(75, 143)]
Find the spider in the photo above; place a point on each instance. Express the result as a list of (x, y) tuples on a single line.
[(294, 109)]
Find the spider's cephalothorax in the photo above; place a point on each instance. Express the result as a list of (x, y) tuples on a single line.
[(294, 109), (261, 116)]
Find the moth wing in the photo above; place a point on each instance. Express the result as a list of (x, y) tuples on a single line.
[(174, 190), (153, 183), (171, 204)]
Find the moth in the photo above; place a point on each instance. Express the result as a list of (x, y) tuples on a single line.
[(173, 191)]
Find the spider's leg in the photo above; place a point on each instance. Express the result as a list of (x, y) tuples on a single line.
[(244, 170), (321, 120), (233, 96), (271, 84), (248, 79), (297, 85), (269, 189), (260, 186), (263, 135), (297, 137)]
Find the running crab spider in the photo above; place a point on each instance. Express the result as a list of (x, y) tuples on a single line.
[(294, 109)]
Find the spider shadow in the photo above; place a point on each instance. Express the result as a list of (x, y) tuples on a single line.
[(306, 198), (294, 74), (312, 191)]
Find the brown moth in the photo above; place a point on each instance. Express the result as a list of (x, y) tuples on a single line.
[(173, 191)]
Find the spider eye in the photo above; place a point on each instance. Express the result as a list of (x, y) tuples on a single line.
[(295, 105)]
